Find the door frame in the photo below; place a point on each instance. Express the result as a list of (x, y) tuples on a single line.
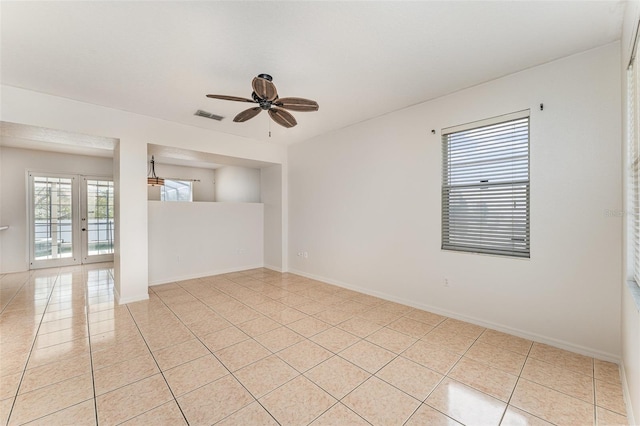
[(75, 215), (78, 207), (84, 235)]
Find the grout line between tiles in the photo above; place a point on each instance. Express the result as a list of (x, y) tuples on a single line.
[(24, 370)]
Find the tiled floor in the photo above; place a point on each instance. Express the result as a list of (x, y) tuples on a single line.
[(260, 347)]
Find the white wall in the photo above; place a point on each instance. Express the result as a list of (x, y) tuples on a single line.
[(189, 240), (134, 132), (204, 190), (271, 196), (630, 312), (365, 203), (237, 184), (13, 185)]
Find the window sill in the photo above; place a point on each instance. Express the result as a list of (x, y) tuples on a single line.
[(634, 289)]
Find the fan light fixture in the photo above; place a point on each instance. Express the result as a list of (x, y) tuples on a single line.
[(154, 180)]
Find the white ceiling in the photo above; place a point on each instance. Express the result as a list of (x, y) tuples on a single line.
[(358, 59)]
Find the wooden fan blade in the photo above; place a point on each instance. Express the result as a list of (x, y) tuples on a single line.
[(230, 98), (297, 104), (247, 114), (282, 117), (264, 88)]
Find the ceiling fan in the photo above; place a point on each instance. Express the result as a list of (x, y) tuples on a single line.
[(266, 96)]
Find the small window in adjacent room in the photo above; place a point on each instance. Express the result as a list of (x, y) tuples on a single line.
[(485, 186), (176, 190)]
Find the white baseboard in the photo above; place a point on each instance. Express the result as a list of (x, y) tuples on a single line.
[(121, 301), (605, 356), (167, 280), (627, 395), (273, 268)]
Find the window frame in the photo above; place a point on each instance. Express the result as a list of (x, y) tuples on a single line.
[(163, 191), (475, 221)]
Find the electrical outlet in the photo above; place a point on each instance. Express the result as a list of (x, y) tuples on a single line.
[(306, 255), (446, 282)]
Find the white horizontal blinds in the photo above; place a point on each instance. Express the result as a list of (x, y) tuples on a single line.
[(634, 154), (485, 190)]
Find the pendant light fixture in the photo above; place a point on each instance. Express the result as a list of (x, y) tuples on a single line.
[(154, 180)]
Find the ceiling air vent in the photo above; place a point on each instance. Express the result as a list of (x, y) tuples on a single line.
[(206, 114)]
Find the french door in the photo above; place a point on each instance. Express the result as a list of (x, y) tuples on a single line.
[(71, 219)]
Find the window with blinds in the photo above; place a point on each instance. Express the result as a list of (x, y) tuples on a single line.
[(485, 186)]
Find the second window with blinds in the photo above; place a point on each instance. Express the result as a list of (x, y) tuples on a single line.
[(485, 186)]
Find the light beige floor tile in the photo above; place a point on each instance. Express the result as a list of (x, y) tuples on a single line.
[(426, 317), (395, 307), (132, 400), (117, 353), (242, 354), (339, 414), (123, 373), (165, 337), (253, 414), (265, 375), (391, 340), (335, 339), (606, 371), (215, 401), (566, 381), (367, 356), (278, 339), (426, 415), (201, 329), (365, 401), (465, 404), (359, 326), (410, 377), (609, 418), (309, 326), (5, 409), (9, 385), (57, 337), (193, 374), (304, 355), (173, 356), (379, 316), (270, 307), (609, 396), (502, 359), (12, 363), (516, 417), (458, 343), (224, 338), (333, 316), (410, 327), (337, 376), (258, 326), (52, 398), (287, 316), (82, 414), (432, 356), (48, 374), (506, 341), (297, 402), (58, 352), (569, 360), (550, 405), (484, 378), (166, 414), (467, 329)]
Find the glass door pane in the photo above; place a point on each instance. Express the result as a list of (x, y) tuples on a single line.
[(97, 220), (52, 211)]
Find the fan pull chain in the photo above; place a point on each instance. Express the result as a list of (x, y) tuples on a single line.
[(269, 128)]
